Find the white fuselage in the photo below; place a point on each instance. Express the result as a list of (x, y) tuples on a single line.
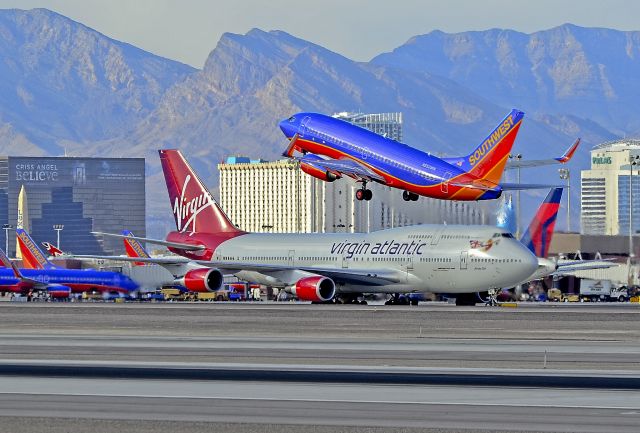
[(429, 258)]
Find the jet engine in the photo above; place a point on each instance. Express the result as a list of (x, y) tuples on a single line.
[(314, 289), (317, 171), (59, 292), (202, 280)]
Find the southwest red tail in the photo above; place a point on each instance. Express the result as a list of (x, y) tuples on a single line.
[(194, 209), (488, 160), (32, 256)]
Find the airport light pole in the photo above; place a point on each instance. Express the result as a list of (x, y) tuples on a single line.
[(6, 228), (633, 161), (517, 157), (566, 175), (58, 228)]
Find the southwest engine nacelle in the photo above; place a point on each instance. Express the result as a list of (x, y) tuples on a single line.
[(314, 289), (202, 280), (59, 292), (317, 171)]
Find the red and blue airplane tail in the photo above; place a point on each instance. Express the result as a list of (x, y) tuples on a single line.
[(52, 249), (32, 256), (134, 248), (539, 233), (489, 159)]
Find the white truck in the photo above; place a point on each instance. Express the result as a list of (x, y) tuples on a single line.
[(602, 290)]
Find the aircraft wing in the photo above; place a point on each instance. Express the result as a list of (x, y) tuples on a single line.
[(582, 265), (186, 247), (348, 167), (523, 186), (369, 277), (177, 260), (566, 157)]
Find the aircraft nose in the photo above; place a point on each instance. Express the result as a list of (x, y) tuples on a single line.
[(286, 128)]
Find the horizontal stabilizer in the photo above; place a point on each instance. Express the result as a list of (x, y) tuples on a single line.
[(566, 157), (523, 186), (177, 245)]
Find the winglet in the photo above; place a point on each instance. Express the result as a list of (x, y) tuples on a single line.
[(9, 264), (566, 157)]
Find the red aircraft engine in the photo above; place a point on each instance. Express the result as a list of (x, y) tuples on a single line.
[(314, 289), (59, 292), (202, 280), (318, 171)]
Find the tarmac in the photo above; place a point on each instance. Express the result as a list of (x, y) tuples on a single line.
[(319, 368)]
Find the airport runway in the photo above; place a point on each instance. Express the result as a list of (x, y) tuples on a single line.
[(578, 340)]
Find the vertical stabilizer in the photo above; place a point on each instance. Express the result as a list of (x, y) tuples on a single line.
[(194, 209), (32, 256), (134, 248), (539, 233)]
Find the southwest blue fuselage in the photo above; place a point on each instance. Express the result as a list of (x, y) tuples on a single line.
[(77, 280), (399, 165)]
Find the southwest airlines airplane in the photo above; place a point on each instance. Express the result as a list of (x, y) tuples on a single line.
[(318, 267), (41, 275), (333, 148)]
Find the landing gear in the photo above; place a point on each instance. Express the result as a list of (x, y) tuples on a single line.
[(364, 193), (409, 196), (397, 299), (350, 298)]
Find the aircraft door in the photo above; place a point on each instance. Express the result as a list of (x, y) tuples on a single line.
[(464, 259), (444, 186), (292, 255), (345, 261), (436, 237)]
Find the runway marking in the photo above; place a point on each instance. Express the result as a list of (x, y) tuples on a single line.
[(291, 400)]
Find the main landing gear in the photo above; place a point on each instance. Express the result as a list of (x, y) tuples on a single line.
[(364, 193), (409, 196)]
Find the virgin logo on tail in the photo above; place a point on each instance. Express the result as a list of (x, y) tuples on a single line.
[(187, 211)]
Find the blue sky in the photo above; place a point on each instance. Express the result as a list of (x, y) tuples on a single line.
[(187, 30)]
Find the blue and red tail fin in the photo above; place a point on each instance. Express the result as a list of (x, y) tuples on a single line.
[(488, 160), (134, 248), (52, 249), (32, 256), (539, 233)]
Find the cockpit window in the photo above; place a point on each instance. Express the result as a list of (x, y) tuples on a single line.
[(507, 235), (292, 118)]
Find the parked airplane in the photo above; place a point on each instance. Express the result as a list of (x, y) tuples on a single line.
[(333, 148), (58, 282), (316, 267)]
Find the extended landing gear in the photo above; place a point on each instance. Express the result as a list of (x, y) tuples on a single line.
[(396, 299), (350, 298), (364, 193), (409, 196)]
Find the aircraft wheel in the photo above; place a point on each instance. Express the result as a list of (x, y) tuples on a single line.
[(368, 194), (414, 197), (406, 195), (360, 194)]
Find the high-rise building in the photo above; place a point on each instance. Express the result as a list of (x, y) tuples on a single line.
[(386, 124), (82, 194), (611, 189)]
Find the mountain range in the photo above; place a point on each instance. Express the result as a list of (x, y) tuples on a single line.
[(66, 88)]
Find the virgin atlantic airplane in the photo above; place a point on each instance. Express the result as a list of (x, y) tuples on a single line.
[(319, 267)]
